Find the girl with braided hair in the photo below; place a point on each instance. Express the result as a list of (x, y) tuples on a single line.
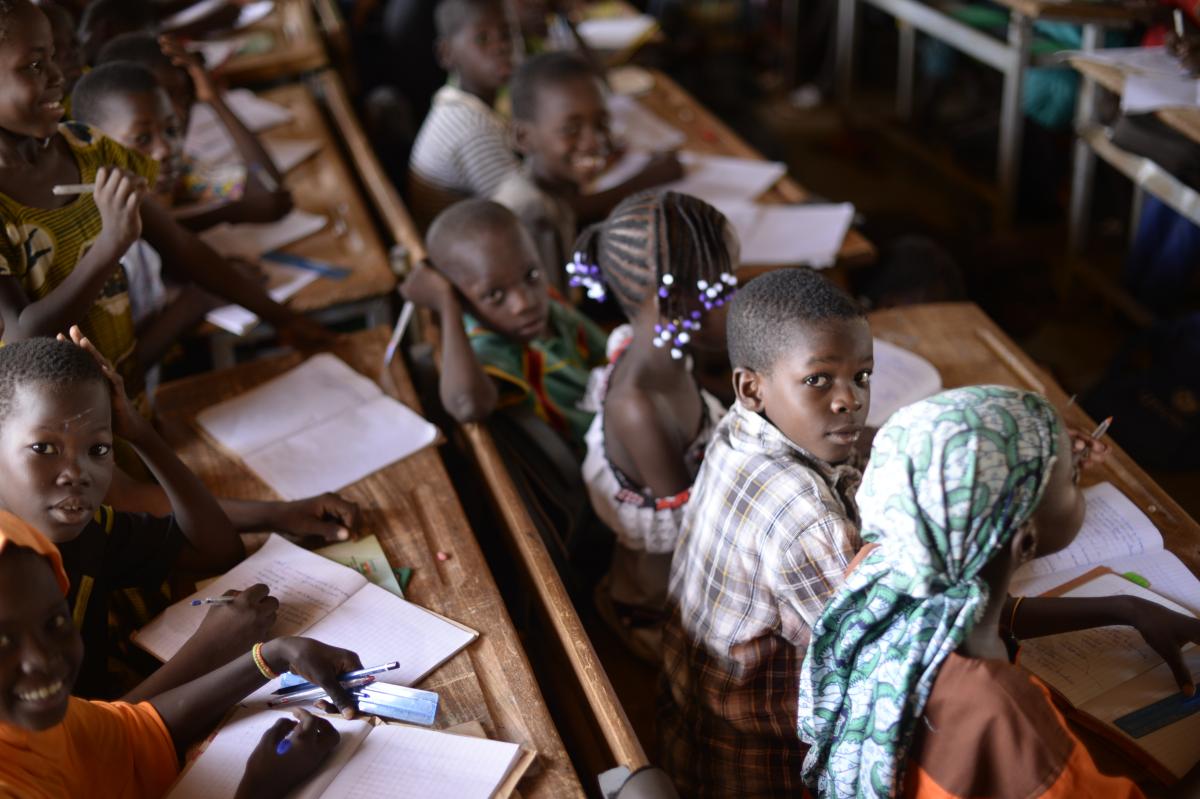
[(669, 261)]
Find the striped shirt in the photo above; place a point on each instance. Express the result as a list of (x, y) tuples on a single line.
[(462, 150), (765, 540)]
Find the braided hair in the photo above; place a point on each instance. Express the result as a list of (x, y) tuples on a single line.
[(655, 235)]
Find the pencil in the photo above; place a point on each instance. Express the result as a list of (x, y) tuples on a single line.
[(73, 188), (1178, 23)]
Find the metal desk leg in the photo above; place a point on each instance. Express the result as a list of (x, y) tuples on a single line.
[(1012, 127), (1083, 170), (906, 69), (846, 11)]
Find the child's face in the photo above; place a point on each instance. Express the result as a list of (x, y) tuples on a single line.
[(66, 45), (145, 122), (504, 285), (40, 649), (819, 392), (569, 140), (31, 86), (56, 459), (178, 86), (1059, 515), (480, 52)]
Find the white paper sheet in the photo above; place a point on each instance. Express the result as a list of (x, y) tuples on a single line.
[(1167, 575), (808, 235), (639, 128), (215, 51), (208, 140), (283, 283), (626, 168), (192, 13), (287, 154), (615, 33), (254, 12), (411, 763), (1142, 60), (249, 241), (1150, 93), (900, 378), (722, 180)]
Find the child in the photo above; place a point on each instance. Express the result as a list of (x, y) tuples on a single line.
[(59, 255), (54, 745), (66, 43), (505, 342), (768, 535), (906, 689), (561, 126), (203, 194), (60, 406), (462, 149), (659, 254)]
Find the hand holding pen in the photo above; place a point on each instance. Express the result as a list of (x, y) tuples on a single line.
[(1089, 451), (287, 754)]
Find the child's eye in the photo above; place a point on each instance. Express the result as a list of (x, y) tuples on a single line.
[(142, 141), (533, 275), (35, 66), (863, 378), (58, 621), (43, 448), (101, 450), (495, 297), (817, 381)]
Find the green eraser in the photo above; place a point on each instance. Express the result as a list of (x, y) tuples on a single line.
[(1136, 579)]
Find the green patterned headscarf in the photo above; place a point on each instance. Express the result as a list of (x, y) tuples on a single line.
[(949, 481)]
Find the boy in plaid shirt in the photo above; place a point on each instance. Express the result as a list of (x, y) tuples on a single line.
[(769, 532)]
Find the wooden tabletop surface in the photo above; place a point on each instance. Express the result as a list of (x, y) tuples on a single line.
[(296, 46), (1184, 120), (968, 348), (413, 509), (325, 185), (707, 134)]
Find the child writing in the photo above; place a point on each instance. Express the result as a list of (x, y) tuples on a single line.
[(55, 745), (561, 126), (505, 342), (60, 406), (669, 260), (463, 149), (906, 689), (768, 534)]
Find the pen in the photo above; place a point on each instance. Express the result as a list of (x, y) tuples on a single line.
[(1178, 23), (213, 600), (283, 746), (406, 312), (317, 693), (73, 188), (348, 676), (300, 262), (1101, 429)]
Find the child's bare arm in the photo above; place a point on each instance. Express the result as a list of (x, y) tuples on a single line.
[(467, 392), (118, 195), (213, 544), (633, 421)]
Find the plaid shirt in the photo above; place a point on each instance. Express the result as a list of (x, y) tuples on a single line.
[(766, 539)]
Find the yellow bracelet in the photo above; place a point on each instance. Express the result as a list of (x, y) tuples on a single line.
[(1012, 618), (261, 662)]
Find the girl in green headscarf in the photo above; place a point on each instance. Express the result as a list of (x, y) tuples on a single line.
[(960, 490)]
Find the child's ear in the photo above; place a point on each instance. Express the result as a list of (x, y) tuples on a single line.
[(747, 385), (1025, 543), (521, 133)]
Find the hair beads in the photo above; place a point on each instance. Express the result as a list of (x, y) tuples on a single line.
[(678, 331), (586, 275)]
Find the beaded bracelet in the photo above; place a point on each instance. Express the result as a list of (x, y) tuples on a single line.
[(261, 662)]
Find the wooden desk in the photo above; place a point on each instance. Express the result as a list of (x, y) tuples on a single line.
[(1184, 120), (707, 134), (297, 46), (411, 506), (968, 348)]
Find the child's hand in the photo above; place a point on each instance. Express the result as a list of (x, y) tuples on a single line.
[(1089, 453), (662, 168), (271, 774), (1186, 48), (206, 90), (1166, 631), (260, 204), (126, 421), (230, 630), (118, 196), (328, 517), (319, 664), (429, 288)]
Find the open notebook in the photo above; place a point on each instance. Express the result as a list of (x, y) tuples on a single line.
[(1115, 534), (321, 599), (318, 427), (385, 761), (900, 378), (1118, 684)]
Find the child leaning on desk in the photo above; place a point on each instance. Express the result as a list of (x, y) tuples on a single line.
[(54, 745), (770, 529)]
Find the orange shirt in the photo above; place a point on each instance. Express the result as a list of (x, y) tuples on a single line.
[(100, 750), (990, 729)]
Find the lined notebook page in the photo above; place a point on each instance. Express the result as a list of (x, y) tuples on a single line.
[(1167, 575), (1113, 527), (307, 586), (217, 772), (402, 762)]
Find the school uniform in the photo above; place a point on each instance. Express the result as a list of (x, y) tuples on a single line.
[(767, 536), (116, 566)]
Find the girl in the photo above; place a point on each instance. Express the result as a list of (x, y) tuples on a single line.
[(669, 259), (907, 688)]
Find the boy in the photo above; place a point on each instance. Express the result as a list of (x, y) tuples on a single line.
[(61, 404), (505, 342), (561, 126), (768, 533), (462, 149)]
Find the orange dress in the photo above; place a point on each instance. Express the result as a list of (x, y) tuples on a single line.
[(100, 750)]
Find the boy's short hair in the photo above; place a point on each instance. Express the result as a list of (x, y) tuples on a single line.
[(765, 308), (141, 48), (450, 15), (41, 361), (460, 223), (105, 81), (544, 69)]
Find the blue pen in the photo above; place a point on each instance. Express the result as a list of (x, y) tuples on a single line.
[(345, 679), (283, 746), (300, 262)]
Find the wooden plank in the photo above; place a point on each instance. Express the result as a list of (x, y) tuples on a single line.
[(1184, 120), (297, 47), (413, 509), (968, 348)]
